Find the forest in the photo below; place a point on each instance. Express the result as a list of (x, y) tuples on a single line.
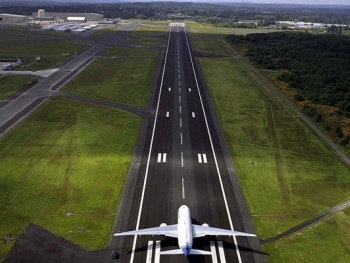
[(315, 67)]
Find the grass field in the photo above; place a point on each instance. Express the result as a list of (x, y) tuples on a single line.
[(11, 84), (287, 173), (66, 157), (127, 81), (28, 44)]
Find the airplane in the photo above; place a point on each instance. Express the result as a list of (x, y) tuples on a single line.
[(184, 231)]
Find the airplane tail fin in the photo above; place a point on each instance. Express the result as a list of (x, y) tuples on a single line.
[(180, 251)]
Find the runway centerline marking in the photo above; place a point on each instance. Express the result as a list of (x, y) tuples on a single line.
[(189, 90), (179, 90), (179, 82), (183, 188), (180, 122), (167, 114), (179, 98), (193, 115), (182, 159), (180, 109), (169, 89), (181, 138)]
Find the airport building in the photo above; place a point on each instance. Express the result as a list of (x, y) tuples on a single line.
[(10, 18), (82, 17)]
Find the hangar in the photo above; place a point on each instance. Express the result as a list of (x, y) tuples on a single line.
[(64, 16), (10, 18)]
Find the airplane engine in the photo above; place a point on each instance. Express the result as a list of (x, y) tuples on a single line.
[(205, 224), (163, 224)]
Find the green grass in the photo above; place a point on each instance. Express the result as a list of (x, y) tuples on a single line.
[(28, 44), (107, 30), (286, 172), (127, 81), (11, 84), (66, 157), (130, 52), (327, 241)]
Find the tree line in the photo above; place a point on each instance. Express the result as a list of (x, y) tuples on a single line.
[(316, 67)]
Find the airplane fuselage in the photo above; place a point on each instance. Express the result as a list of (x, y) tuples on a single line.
[(184, 228)]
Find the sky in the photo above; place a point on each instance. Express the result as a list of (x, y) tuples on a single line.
[(319, 2)]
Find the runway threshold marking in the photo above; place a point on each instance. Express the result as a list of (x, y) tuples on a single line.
[(221, 252), (157, 253), (213, 252), (161, 158), (149, 252)]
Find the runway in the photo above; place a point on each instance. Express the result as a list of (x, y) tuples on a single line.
[(184, 161)]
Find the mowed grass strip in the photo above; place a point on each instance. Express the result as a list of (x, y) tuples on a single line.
[(11, 84), (127, 81), (287, 173), (68, 157)]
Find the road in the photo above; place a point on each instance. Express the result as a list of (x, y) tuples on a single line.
[(184, 160)]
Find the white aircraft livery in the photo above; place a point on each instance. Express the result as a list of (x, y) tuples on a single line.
[(184, 231)]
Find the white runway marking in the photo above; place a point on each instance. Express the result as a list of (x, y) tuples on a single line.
[(180, 122), (205, 158), (179, 90), (202, 158), (167, 114), (213, 252), (181, 138), (179, 82), (149, 252), (199, 158), (182, 159), (189, 90), (221, 252), (193, 115), (179, 98), (180, 109), (169, 89), (161, 158), (183, 188), (157, 252)]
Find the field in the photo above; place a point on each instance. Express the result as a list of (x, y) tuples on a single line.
[(28, 44), (11, 84), (64, 167), (287, 173), (68, 157)]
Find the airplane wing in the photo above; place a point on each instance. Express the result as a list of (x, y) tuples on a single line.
[(200, 231), (179, 252), (169, 231)]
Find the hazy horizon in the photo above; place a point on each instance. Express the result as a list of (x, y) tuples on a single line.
[(291, 2)]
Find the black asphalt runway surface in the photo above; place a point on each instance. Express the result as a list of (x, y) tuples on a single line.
[(184, 161)]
